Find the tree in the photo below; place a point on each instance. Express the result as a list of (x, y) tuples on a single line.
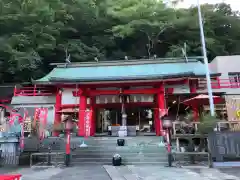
[(35, 33)]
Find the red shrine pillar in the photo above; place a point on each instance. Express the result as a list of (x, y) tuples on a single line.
[(81, 113), (160, 105), (193, 89), (93, 117), (57, 114)]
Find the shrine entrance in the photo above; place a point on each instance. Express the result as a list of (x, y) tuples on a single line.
[(139, 121)]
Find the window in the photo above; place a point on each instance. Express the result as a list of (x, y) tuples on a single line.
[(234, 79)]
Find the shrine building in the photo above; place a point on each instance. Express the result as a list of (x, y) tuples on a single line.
[(130, 93)]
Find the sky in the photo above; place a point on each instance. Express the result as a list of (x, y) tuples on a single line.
[(235, 4)]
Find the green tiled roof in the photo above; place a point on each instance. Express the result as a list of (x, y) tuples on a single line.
[(123, 71)]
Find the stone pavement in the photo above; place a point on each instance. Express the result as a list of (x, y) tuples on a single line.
[(165, 173), (131, 172)]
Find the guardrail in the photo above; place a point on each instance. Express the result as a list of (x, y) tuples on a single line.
[(219, 83), (34, 91)]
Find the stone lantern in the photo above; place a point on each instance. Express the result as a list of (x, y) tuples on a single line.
[(167, 124), (68, 126)]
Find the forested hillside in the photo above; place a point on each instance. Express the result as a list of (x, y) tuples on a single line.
[(34, 33)]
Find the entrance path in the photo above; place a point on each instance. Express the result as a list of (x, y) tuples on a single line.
[(131, 172)]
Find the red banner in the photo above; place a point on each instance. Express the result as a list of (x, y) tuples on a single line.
[(88, 118), (41, 116), (43, 112)]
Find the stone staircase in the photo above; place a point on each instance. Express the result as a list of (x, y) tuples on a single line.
[(100, 150)]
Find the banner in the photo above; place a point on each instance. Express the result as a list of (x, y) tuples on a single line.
[(88, 118), (42, 116)]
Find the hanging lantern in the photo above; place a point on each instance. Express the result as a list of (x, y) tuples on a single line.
[(128, 99), (134, 98), (88, 100), (150, 98), (105, 100), (120, 99), (149, 115), (113, 99), (97, 100)]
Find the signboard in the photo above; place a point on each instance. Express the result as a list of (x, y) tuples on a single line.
[(224, 145), (88, 117)]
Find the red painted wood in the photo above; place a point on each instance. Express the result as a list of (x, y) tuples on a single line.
[(160, 105), (193, 86), (126, 83), (81, 115), (93, 117), (5, 100), (112, 105), (117, 92), (193, 89), (127, 105), (57, 116), (35, 91)]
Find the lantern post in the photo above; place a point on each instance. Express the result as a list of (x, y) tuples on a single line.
[(167, 124), (68, 128)]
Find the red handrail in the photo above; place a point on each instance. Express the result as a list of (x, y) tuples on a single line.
[(34, 91), (220, 83)]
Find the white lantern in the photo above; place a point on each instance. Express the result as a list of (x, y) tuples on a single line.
[(167, 123)]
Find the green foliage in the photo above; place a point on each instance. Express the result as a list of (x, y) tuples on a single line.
[(35, 33), (207, 124)]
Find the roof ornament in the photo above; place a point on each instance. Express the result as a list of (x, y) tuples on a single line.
[(184, 52), (68, 57), (96, 59)]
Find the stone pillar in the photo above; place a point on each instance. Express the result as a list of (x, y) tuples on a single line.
[(81, 113), (57, 115), (160, 101)]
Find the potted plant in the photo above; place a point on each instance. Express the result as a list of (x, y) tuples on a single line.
[(207, 124)]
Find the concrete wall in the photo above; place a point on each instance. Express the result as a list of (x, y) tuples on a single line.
[(225, 64)]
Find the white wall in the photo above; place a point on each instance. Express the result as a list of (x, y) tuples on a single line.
[(20, 100), (226, 64), (68, 98)]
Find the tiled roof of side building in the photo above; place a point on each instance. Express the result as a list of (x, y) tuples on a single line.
[(124, 70)]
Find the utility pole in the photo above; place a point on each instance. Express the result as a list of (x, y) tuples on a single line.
[(204, 51)]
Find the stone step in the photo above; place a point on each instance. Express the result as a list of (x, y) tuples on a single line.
[(110, 148), (93, 141), (128, 156), (95, 153), (109, 160), (125, 163)]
